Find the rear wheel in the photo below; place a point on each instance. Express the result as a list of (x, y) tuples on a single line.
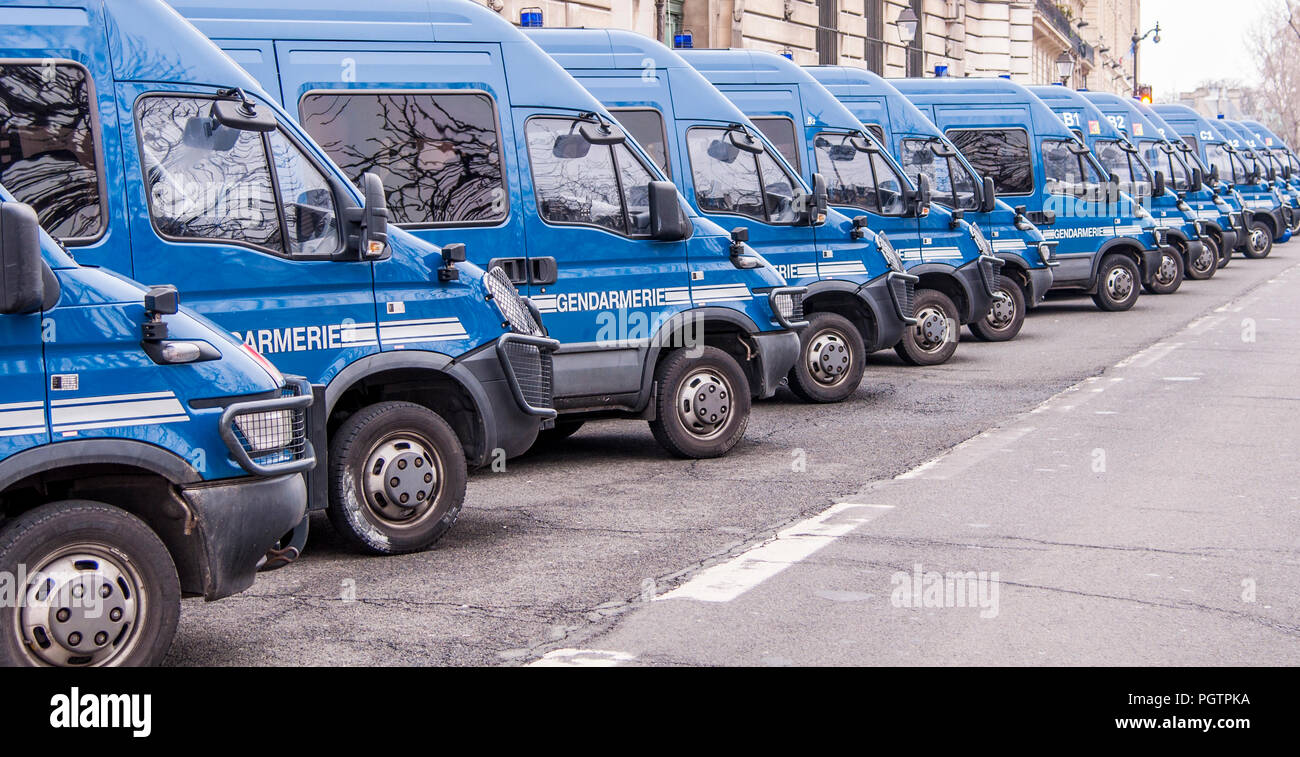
[(1006, 314), (101, 589), (831, 359), (1204, 265), (703, 405), (1169, 274), (1117, 283), (397, 478), (934, 337), (1260, 241)]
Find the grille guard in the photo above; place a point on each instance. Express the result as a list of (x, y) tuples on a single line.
[(301, 401), (544, 345), (776, 312)]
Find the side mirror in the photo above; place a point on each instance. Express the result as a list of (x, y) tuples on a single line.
[(22, 286), (667, 224), (989, 196), (1159, 187), (1272, 174), (1198, 179), (1214, 174), (243, 115), (957, 216), (860, 225), (158, 302), (369, 240), (739, 236), (820, 201), (745, 141), (451, 255), (602, 134), (921, 199)]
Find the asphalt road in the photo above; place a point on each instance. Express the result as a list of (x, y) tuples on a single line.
[(1146, 561)]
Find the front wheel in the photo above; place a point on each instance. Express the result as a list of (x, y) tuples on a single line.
[(101, 589), (703, 405), (1169, 274), (1203, 266), (831, 359), (1117, 283), (1006, 314), (397, 478), (934, 337), (1260, 242)]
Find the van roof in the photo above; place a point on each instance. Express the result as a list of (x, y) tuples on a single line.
[(942, 90), (1177, 113), (1066, 97), (845, 81), (1113, 103)]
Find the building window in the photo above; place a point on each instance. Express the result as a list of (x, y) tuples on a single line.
[(916, 50), (672, 21), (875, 42), (828, 35)]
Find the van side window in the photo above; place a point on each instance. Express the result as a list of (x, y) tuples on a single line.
[(1133, 175), (205, 181), (583, 184), (954, 186), (49, 150), (1191, 142), (780, 132), (779, 191), (856, 178), (726, 177), (1062, 167), (208, 182), (646, 125), (439, 154), (1001, 154), (1217, 155)]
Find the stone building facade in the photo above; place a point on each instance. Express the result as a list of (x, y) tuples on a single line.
[(1020, 38)]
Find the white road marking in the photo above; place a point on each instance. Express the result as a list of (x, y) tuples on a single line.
[(726, 581), (581, 658)]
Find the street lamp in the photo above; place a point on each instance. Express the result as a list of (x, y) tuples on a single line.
[(907, 23), (1065, 66), (1137, 40)]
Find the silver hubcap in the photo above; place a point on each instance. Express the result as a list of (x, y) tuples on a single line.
[(1207, 260), (83, 606), (402, 477), (704, 403), (931, 328), (1258, 240), (1168, 270), (1119, 283), (829, 357), (1003, 310)]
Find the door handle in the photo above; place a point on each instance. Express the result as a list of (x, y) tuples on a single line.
[(516, 269), (543, 271)]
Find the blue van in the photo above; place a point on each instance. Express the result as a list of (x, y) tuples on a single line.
[(919, 146), (1282, 153), (1109, 244), (958, 273), (1130, 150), (147, 151), (1276, 173), (1228, 175), (144, 453), (483, 139), (858, 297), (1223, 222)]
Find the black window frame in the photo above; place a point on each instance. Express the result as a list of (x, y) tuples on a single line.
[(338, 197), (663, 127), (794, 160), (501, 141), (96, 134), (1029, 153), (618, 179), (758, 169)]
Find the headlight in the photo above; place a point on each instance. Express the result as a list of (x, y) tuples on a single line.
[(510, 304), (886, 248), (788, 305), (980, 241), (1047, 251), (267, 431)]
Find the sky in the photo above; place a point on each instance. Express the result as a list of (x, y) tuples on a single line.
[(1199, 40)]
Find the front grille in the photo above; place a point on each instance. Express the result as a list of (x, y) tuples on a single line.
[(991, 272), (533, 372), (796, 307), (273, 437), (510, 303), (904, 291)]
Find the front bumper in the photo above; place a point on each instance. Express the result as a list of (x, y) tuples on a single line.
[(890, 298), (1040, 280), (233, 524), (980, 278), (777, 352)]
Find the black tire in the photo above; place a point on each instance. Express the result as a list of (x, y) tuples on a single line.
[(1204, 266), (1006, 314), (1125, 287), (832, 358), (725, 402), (397, 478), (1260, 242), (1169, 274), (82, 545), (933, 340), (556, 435)]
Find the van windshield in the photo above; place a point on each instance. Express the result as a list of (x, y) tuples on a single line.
[(954, 184), (857, 173), (1069, 171)]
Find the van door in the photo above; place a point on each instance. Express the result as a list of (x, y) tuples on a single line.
[(246, 226), (22, 384), (588, 206)]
